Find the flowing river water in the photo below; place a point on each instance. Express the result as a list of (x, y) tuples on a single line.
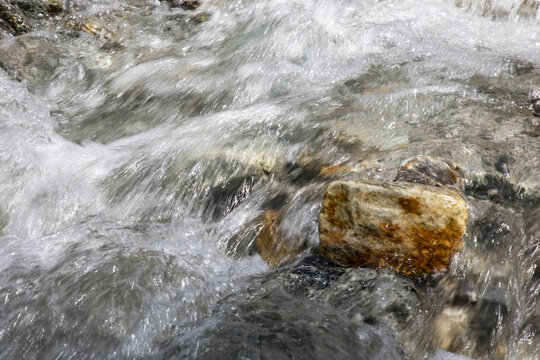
[(139, 141)]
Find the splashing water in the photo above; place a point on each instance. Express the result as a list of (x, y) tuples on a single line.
[(140, 141)]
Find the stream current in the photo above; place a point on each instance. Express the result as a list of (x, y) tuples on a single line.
[(139, 141)]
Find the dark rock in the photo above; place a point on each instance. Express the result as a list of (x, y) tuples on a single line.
[(521, 67), (35, 7), (493, 227), (276, 201), (497, 188), (501, 164), (12, 19), (312, 310), (185, 4), (300, 174), (536, 108), (12, 71), (364, 295), (312, 275), (223, 198), (53, 7), (276, 325), (488, 318), (430, 171)]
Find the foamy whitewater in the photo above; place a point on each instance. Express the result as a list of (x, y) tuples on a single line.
[(135, 157)]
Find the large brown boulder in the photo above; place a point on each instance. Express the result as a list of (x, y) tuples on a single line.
[(414, 228)]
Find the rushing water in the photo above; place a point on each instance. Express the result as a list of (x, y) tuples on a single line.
[(138, 142)]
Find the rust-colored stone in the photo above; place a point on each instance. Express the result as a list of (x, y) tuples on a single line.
[(334, 170), (274, 248), (410, 205), (414, 228)]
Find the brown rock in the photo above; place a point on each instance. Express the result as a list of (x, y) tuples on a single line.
[(201, 17), (53, 7), (334, 170), (414, 228), (90, 26), (270, 243)]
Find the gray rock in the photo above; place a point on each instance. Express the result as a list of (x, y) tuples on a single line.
[(313, 310), (378, 298)]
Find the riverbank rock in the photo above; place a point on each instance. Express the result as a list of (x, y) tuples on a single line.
[(412, 227)]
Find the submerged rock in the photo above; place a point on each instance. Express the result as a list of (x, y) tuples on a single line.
[(536, 108), (497, 188), (291, 231), (430, 171), (53, 7), (270, 244), (414, 228), (311, 310), (93, 26), (201, 17), (279, 326), (184, 4), (473, 330)]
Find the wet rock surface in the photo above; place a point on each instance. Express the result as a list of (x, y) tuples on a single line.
[(277, 335), (536, 108), (416, 229), (206, 141), (355, 311), (361, 294), (271, 243), (13, 19), (21, 16), (430, 171)]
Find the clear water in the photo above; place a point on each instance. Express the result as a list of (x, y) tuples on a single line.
[(133, 153)]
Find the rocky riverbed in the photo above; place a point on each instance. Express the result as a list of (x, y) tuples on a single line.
[(269, 179)]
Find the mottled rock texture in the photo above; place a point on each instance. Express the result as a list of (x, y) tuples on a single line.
[(414, 228), (12, 19)]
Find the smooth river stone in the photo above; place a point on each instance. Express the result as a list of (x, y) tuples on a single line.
[(414, 228)]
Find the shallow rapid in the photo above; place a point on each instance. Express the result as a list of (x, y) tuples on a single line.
[(140, 142)]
